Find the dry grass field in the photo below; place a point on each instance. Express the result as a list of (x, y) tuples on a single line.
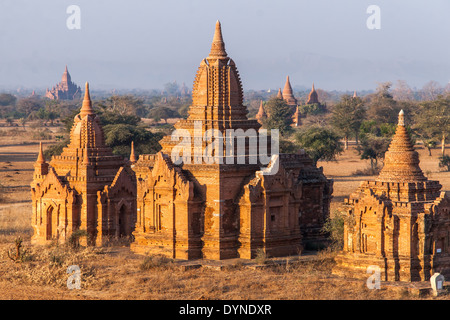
[(116, 273)]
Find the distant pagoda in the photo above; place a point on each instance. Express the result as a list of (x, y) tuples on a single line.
[(65, 90), (313, 97)]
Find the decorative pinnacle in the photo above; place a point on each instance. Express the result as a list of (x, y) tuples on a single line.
[(218, 46), (401, 118), (86, 108), (132, 154), (279, 94), (287, 87), (40, 158)]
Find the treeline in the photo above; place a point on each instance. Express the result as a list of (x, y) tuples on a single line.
[(370, 121)]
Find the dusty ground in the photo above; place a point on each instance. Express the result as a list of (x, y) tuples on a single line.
[(116, 273)]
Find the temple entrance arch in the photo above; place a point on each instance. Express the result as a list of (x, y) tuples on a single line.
[(123, 228), (52, 223)]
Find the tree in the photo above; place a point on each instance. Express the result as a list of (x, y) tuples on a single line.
[(171, 88), (119, 137), (28, 105), (320, 143), (124, 105), (279, 116), (119, 131), (432, 119), (347, 117), (163, 113), (431, 91), (7, 99), (381, 105), (373, 147), (444, 161), (429, 143), (402, 91)]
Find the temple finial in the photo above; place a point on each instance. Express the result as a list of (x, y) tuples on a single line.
[(132, 154), (401, 118), (279, 94), (218, 45), (287, 88), (86, 108), (40, 158)]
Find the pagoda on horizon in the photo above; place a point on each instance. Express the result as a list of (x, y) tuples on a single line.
[(65, 90)]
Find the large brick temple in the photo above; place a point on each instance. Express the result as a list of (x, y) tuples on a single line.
[(221, 210), (400, 222), (64, 90), (87, 187), (192, 209)]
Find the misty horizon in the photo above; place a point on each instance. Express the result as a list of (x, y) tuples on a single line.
[(144, 45)]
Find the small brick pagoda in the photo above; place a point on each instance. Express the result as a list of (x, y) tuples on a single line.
[(261, 116), (65, 90), (313, 96), (219, 210), (87, 187), (400, 222)]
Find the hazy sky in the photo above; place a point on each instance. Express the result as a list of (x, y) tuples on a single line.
[(145, 44)]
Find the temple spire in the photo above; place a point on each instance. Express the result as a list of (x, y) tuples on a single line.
[(279, 94), (86, 108), (261, 115), (287, 87), (40, 158), (401, 161), (132, 154), (218, 46), (288, 94), (313, 97)]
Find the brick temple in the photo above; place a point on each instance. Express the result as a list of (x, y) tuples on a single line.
[(288, 96), (313, 96), (87, 187), (65, 90), (400, 222), (220, 210), (190, 209)]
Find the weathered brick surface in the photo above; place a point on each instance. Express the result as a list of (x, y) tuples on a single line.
[(400, 222), (220, 211), (87, 187)]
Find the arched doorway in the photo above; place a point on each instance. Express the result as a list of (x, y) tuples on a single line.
[(51, 222), (123, 222)]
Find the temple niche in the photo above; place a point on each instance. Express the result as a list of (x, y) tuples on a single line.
[(87, 188), (213, 210), (65, 90), (400, 222)]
